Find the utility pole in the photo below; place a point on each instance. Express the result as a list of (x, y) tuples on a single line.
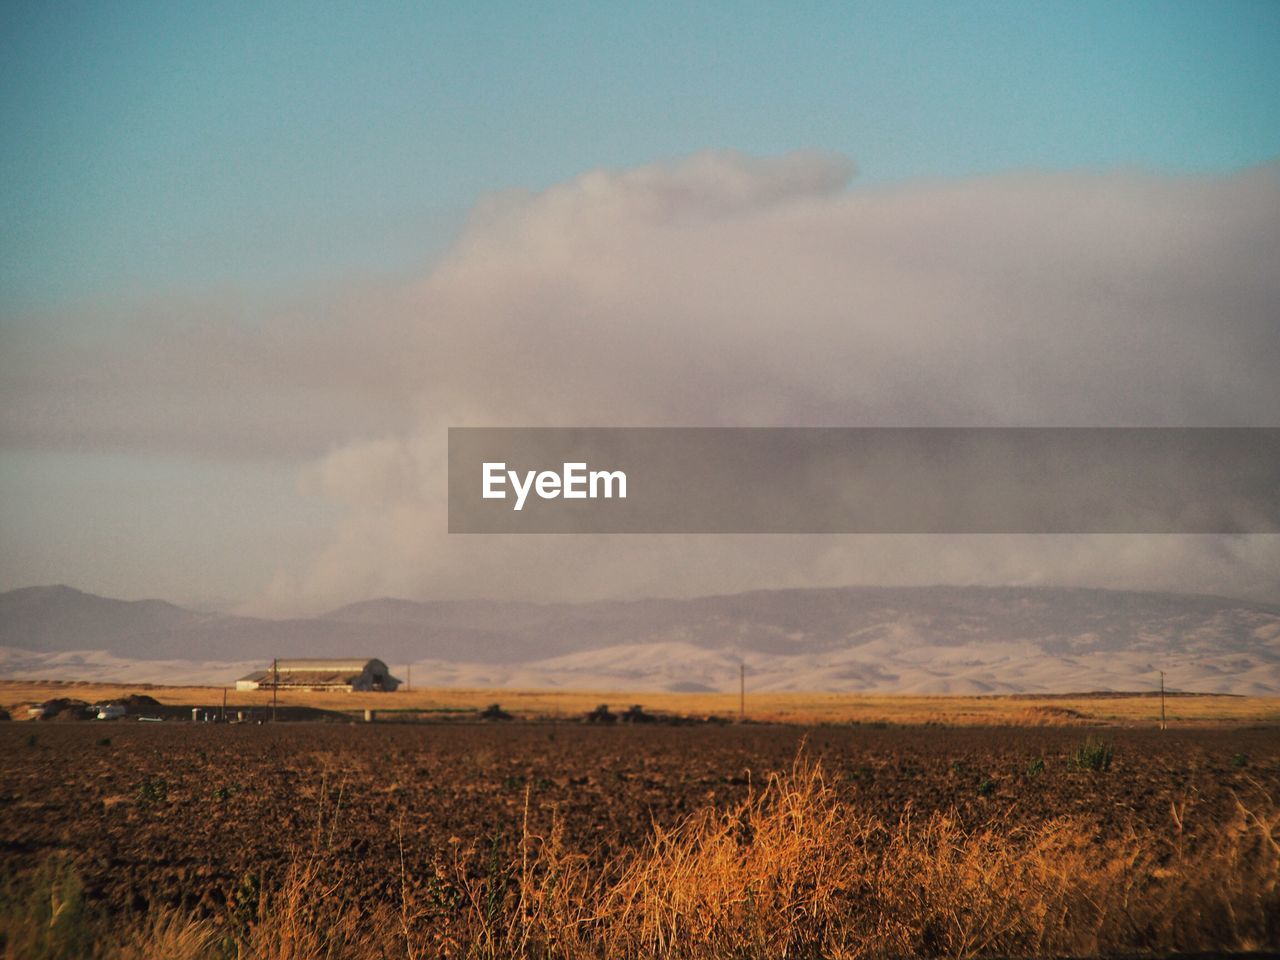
[(275, 685), (408, 676), (742, 692), (224, 704), (1163, 724)]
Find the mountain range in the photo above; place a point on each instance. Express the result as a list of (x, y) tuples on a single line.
[(937, 639)]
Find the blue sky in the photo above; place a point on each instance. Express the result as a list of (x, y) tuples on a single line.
[(154, 147)]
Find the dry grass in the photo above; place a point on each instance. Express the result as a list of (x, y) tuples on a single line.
[(807, 708), (792, 872), (788, 872)]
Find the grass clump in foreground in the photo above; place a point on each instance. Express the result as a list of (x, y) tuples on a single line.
[(789, 871), (1093, 754), (47, 917)]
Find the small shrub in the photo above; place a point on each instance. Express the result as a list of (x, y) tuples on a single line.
[(153, 791), (244, 903), (1238, 761), (495, 712), (225, 792), (1093, 755), (104, 741), (986, 788), (499, 877), (1035, 767)]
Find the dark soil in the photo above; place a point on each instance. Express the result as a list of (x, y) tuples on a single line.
[(178, 814)]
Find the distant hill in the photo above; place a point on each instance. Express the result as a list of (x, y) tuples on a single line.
[(62, 618), (918, 639)]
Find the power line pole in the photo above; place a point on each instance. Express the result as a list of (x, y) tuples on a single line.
[(1163, 724), (275, 685), (742, 692)]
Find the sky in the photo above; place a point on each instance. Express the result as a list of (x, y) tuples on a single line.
[(257, 258)]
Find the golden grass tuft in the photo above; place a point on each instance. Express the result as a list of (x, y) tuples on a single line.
[(790, 871), (172, 936)]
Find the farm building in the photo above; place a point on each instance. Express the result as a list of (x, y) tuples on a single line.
[(318, 674)]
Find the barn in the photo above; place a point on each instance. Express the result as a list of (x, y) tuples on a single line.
[(321, 674)]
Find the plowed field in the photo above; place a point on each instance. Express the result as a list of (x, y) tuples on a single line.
[(179, 814)]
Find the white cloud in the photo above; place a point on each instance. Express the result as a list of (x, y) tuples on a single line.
[(726, 290)]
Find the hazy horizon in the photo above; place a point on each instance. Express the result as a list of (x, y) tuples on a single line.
[(639, 598)]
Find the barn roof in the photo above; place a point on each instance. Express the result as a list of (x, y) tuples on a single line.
[(327, 665), (317, 670)]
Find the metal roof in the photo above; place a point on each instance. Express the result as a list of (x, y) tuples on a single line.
[(318, 670), (327, 665)]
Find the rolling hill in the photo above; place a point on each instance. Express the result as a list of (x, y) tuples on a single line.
[(909, 639)]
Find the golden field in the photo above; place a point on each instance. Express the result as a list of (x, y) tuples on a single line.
[(799, 708)]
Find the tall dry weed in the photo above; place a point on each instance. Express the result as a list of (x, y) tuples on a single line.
[(792, 871), (174, 937)]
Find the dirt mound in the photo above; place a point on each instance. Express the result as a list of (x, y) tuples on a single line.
[(636, 714), (1064, 713), (137, 700), (65, 708)]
